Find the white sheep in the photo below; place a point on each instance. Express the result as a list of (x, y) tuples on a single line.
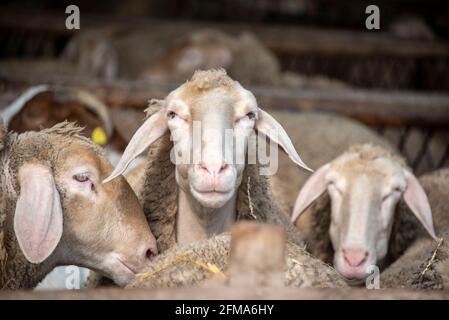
[(54, 210), (364, 185), (194, 200)]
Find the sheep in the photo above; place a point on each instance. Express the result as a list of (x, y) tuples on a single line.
[(239, 54), (189, 202), (43, 106), (199, 262), (364, 185), (93, 54), (425, 264), (55, 211), (211, 48), (171, 54)]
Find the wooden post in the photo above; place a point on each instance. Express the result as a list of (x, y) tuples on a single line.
[(257, 255)]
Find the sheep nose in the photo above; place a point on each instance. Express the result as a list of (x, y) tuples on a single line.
[(213, 169), (355, 257), (148, 255)]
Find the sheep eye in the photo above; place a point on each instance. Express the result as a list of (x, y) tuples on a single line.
[(394, 191), (332, 185), (171, 114), (251, 115), (82, 177)]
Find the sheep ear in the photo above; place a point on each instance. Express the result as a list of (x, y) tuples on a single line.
[(312, 189), (38, 216), (151, 130), (267, 125), (416, 199)]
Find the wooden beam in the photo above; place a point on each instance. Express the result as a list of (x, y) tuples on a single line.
[(228, 293), (281, 39), (373, 107), (257, 255)]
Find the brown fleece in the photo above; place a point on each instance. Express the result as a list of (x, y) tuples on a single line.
[(160, 194), (15, 271), (315, 223), (425, 263), (190, 265), (2, 134)]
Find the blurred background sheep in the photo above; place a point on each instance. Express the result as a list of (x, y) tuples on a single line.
[(312, 64)]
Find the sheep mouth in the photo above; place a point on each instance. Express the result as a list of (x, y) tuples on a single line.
[(126, 266), (354, 279), (212, 192), (212, 198)]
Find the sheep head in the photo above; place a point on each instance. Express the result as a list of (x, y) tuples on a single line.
[(210, 119), (65, 215), (364, 185)]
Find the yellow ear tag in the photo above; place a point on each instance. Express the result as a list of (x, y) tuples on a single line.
[(99, 136)]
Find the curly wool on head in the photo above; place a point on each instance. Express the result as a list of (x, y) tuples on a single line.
[(370, 152), (210, 79)]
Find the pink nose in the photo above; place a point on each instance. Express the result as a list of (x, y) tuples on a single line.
[(142, 257), (355, 257), (213, 169)]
